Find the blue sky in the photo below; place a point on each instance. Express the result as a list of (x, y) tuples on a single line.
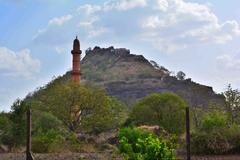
[(199, 37)]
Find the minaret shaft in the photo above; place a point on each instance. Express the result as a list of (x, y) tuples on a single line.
[(76, 54)]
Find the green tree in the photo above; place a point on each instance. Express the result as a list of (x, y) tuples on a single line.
[(48, 133), (215, 120), (232, 99), (119, 112), (214, 136), (13, 125), (50, 141), (72, 104), (43, 121), (181, 75), (5, 128), (18, 118), (78, 107), (165, 109)]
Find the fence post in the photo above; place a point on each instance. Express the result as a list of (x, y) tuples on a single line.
[(188, 134), (28, 137)]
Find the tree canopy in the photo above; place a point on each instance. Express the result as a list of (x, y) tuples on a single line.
[(232, 99), (181, 75), (79, 107), (165, 109)]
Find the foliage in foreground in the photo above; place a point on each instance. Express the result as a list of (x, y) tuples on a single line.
[(232, 104), (49, 133), (218, 130), (137, 144), (13, 125), (215, 136)]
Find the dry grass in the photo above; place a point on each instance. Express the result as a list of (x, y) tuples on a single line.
[(61, 156), (97, 156), (220, 157)]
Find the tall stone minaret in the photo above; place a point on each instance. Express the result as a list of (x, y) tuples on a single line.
[(76, 53)]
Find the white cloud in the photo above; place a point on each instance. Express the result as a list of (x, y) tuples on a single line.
[(89, 9), (162, 5), (111, 5), (123, 5), (60, 49), (18, 64), (154, 22), (181, 23), (96, 32), (227, 70), (216, 32), (228, 62), (120, 5), (88, 23), (166, 25), (92, 28), (60, 20)]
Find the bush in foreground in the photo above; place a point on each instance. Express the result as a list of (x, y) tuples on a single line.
[(48, 133), (51, 141), (137, 144), (215, 136)]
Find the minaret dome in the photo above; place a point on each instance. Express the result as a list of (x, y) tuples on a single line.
[(76, 44)]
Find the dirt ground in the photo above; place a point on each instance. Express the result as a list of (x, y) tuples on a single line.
[(61, 156), (221, 157), (97, 156)]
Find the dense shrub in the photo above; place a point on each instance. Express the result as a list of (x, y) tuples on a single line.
[(118, 112), (137, 144), (6, 136), (233, 136), (43, 121), (214, 136), (51, 141), (5, 125), (209, 143), (49, 133), (215, 120), (166, 110), (13, 125)]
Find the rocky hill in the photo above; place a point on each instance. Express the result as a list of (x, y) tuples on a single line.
[(130, 77)]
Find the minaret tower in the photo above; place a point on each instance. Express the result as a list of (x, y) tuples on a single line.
[(76, 53)]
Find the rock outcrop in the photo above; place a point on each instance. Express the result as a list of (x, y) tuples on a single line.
[(130, 77)]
